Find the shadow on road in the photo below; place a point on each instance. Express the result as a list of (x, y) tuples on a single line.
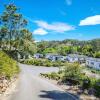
[(57, 95)]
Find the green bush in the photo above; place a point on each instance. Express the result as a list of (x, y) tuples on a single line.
[(47, 63), (53, 75), (42, 62), (72, 70), (56, 63), (8, 66)]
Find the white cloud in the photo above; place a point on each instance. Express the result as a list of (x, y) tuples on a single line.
[(92, 20), (69, 2), (40, 31), (56, 27)]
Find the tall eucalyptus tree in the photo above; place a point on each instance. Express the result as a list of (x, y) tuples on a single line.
[(13, 22)]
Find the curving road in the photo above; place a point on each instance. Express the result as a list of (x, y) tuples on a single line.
[(32, 87)]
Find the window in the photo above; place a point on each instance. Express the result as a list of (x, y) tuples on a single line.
[(92, 63)]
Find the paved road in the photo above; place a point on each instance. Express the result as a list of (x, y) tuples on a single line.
[(32, 87)]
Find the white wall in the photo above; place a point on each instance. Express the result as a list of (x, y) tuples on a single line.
[(93, 64), (72, 59)]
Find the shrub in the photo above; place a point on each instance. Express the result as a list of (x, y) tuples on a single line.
[(72, 71), (42, 62), (53, 75)]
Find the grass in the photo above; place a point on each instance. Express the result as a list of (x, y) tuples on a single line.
[(8, 66)]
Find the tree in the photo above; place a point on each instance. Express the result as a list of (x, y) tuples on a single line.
[(27, 41), (41, 46), (13, 22), (49, 50), (87, 50), (63, 50), (3, 33), (97, 54), (14, 36)]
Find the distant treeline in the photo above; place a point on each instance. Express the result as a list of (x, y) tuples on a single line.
[(89, 48)]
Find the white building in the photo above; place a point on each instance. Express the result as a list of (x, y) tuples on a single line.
[(55, 57), (93, 63), (76, 58), (58, 58), (49, 55), (37, 55)]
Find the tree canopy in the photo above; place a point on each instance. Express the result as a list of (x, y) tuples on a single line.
[(14, 34)]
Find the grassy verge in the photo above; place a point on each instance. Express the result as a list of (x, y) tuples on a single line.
[(8, 66)]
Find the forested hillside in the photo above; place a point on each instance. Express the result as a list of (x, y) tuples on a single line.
[(89, 48)]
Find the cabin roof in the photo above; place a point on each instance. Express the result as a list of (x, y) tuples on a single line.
[(94, 59), (76, 55)]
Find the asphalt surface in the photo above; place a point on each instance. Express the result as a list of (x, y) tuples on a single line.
[(32, 87)]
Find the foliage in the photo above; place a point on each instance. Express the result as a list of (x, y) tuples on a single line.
[(72, 70), (90, 48), (49, 50), (42, 62), (53, 75), (8, 67), (72, 75), (97, 54), (13, 32)]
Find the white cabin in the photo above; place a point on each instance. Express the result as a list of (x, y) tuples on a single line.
[(37, 55), (58, 58), (55, 57), (76, 58), (93, 63)]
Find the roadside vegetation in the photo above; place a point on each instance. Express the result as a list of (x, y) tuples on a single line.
[(72, 75), (42, 62), (8, 71), (8, 66)]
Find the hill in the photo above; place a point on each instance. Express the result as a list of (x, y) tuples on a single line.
[(89, 48)]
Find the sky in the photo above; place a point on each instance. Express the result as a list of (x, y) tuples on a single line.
[(60, 19)]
